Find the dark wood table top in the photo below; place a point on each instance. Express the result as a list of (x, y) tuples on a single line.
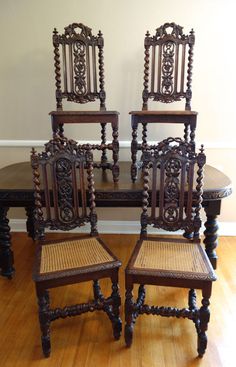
[(16, 186), (163, 112)]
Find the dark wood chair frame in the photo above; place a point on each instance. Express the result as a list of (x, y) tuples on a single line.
[(168, 80), (56, 168), (81, 56), (178, 209)]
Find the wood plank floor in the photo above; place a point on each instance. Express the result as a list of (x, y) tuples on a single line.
[(86, 340)]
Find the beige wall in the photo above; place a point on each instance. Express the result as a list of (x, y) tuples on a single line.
[(27, 76)]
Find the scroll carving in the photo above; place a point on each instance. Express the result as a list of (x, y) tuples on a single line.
[(63, 165), (79, 65), (80, 68), (172, 162), (165, 77)]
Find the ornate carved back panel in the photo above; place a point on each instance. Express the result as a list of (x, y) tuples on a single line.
[(79, 67), (177, 173), (60, 183), (168, 65)]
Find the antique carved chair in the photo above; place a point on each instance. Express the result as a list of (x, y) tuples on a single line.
[(79, 74), (175, 198), (61, 197), (167, 78)]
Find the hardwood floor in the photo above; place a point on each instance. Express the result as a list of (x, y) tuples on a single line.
[(86, 340)]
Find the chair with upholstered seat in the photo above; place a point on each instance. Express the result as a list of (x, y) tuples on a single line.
[(167, 78), (79, 74), (176, 174), (64, 201)]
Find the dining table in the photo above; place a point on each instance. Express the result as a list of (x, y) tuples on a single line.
[(16, 190)]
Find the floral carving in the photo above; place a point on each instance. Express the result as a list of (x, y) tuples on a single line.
[(76, 29), (79, 50), (168, 68), (173, 83), (63, 173), (174, 160), (174, 29), (79, 65)]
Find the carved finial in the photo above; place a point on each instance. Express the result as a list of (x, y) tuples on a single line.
[(202, 148), (147, 34), (33, 157), (55, 31), (99, 33), (192, 37), (33, 151)]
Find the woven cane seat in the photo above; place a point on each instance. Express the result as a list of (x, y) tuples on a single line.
[(175, 258), (73, 254)]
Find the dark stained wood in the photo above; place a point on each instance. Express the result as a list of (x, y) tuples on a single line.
[(87, 341), (172, 164), (158, 114), (16, 191), (17, 179), (180, 187), (173, 83), (167, 78), (59, 172), (79, 76)]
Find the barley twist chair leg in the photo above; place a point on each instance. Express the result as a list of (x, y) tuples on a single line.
[(117, 324), (134, 150), (129, 317), (97, 290), (192, 297), (204, 319), (43, 302), (103, 141)]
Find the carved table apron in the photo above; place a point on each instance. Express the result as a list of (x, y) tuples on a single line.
[(16, 190)]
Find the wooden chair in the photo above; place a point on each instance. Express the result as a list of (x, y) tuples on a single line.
[(167, 78), (177, 173), (79, 74), (64, 193)]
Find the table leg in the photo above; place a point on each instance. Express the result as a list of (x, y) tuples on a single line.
[(6, 254), (30, 221), (211, 229)]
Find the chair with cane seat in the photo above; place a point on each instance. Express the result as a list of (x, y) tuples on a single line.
[(175, 198), (167, 79), (64, 201), (79, 75)]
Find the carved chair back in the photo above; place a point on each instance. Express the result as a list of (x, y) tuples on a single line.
[(168, 65), (59, 176), (176, 186), (79, 67)]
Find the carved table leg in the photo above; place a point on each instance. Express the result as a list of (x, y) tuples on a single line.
[(210, 233), (6, 254), (115, 152), (134, 150), (30, 221)]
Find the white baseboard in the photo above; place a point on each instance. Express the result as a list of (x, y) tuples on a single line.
[(122, 143), (126, 227)]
